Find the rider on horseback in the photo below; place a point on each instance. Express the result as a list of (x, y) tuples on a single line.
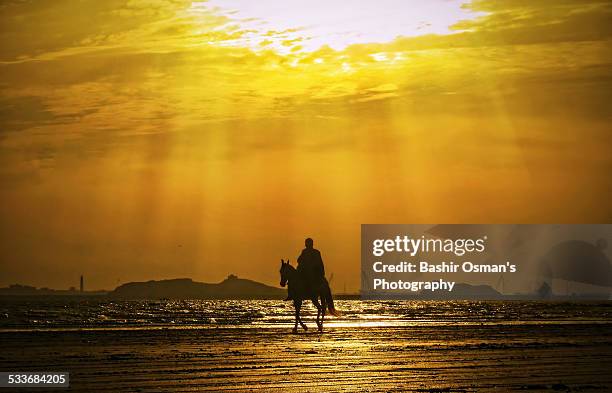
[(310, 266)]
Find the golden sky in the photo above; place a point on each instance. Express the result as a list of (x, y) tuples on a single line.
[(158, 139)]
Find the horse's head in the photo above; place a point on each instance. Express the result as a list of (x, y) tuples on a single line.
[(286, 271)]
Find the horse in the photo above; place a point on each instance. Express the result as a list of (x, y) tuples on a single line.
[(301, 291)]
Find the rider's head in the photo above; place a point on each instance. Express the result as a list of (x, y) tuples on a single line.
[(308, 242)]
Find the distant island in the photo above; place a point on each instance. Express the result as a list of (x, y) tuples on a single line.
[(27, 290), (182, 288), (238, 288), (185, 288), (461, 291), (464, 291)]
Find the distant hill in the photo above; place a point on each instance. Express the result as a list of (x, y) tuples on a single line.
[(464, 291), (461, 291), (185, 288)]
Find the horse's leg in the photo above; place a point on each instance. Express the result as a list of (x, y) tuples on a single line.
[(300, 317), (323, 307), (315, 301), (296, 306)]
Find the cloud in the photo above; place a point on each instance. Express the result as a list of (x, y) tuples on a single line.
[(140, 124)]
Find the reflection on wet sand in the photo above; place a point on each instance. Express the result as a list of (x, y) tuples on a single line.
[(514, 346)]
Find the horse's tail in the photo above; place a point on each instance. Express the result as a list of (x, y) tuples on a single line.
[(329, 300)]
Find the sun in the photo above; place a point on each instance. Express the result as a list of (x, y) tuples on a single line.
[(307, 26)]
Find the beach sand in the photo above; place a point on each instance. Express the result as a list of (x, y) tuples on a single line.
[(542, 357)]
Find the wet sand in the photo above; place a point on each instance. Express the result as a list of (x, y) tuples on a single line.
[(552, 357)]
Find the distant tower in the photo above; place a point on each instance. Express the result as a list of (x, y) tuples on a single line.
[(81, 283)]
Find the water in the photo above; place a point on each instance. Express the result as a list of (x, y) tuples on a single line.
[(51, 313)]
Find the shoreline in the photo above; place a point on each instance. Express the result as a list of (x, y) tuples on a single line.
[(288, 326)]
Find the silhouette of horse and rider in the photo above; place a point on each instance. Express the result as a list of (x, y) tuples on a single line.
[(307, 282)]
